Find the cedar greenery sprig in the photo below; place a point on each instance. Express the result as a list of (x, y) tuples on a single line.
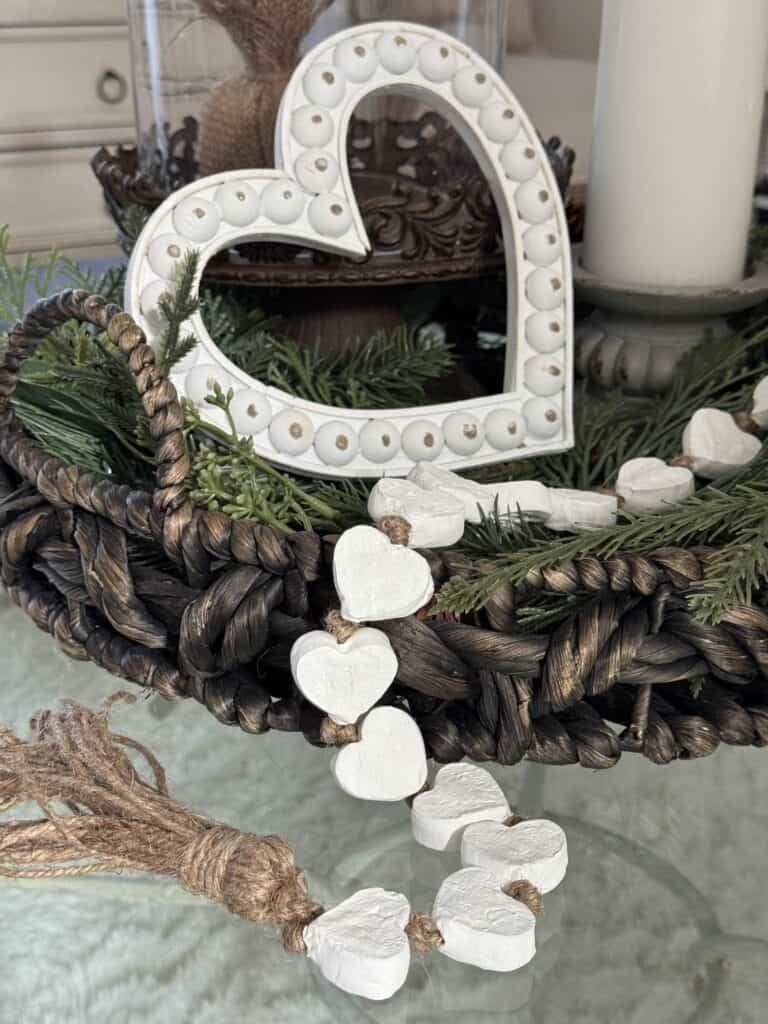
[(32, 274), (227, 475)]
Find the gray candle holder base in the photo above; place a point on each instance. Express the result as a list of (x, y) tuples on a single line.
[(636, 335)]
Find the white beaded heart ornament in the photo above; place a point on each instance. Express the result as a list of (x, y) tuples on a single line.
[(308, 199)]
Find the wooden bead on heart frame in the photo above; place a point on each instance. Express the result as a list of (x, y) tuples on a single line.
[(308, 199)]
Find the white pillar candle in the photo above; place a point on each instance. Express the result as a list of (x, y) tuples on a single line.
[(680, 93)]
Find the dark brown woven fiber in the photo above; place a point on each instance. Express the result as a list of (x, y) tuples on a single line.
[(195, 604)]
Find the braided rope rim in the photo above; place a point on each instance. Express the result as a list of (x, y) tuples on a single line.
[(194, 604)]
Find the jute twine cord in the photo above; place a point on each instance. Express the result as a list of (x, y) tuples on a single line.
[(527, 893), (339, 627), (396, 528), (423, 934), (194, 604), (334, 734), (745, 421)]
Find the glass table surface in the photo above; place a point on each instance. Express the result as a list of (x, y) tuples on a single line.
[(663, 916)]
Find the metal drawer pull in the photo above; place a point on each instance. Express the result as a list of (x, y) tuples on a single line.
[(111, 87)]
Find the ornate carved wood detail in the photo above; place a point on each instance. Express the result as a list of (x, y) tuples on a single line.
[(420, 230)]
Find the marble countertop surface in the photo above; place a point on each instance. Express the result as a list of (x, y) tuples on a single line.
[(662, 918)]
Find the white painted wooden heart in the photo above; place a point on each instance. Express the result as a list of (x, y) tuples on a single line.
[(378, 580), (481, 925), (573, 511), (461, 794), (535, 850), (344, 679), (436, 519), (716, 446), (476, 499), (512, 498), (389, 761), (361, 945), (650, 485), (309, 200), (527, 498)]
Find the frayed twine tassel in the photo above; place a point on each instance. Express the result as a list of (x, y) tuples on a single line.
[(100, 815)]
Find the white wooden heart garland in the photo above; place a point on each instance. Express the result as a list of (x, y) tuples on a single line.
[(363, 945), (484, 914), (308, 200), (481, 915), (715, 444), (437, 503)]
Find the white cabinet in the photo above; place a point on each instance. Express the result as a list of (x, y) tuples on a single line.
[(65, 89), (61, 12)]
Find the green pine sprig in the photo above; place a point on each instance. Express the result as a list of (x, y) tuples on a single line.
[(176, 306), (390, 369)]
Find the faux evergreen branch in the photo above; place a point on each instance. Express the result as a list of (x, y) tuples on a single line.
[(33, 277), (176, 306), (134, 220), (387, 370)]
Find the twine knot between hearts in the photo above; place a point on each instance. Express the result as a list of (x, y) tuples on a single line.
[(423, 934), (339, 627), (396, 528), (610, 492), (526, 893), (334, 734)]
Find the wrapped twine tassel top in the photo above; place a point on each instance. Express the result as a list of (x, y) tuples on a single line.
[(237, 124)]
